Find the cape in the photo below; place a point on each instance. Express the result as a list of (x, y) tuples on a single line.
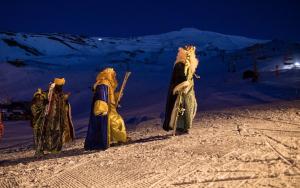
[(97, 137), (177, 78)]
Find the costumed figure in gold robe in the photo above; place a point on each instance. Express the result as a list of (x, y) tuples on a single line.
[(106, 126), (181, 104), (51, 118)]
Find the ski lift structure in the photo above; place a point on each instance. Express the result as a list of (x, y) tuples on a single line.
[(288, 59)]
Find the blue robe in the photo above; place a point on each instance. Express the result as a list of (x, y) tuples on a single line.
[(97, 134)]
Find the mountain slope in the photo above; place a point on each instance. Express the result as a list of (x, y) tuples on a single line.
[(42, 57), (26, 46)]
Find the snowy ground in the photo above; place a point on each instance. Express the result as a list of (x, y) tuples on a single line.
[(245, 134), (255, 146)]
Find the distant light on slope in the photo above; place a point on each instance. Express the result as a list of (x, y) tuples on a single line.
[(287, 67), (292, 66), (99, 39)]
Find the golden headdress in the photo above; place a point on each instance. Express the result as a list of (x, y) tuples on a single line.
[(187, 55), (108, 77), (59, 81), (38, 92)]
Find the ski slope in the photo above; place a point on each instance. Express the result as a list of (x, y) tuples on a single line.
[(150, 59)]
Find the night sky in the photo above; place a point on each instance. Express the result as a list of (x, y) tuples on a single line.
[(265, 19)]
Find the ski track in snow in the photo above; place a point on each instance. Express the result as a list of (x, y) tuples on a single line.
[(239, 147)]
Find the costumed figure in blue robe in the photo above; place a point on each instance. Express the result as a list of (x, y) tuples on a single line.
[(106, 126)]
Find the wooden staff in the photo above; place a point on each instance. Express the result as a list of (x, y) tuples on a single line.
[(123, 87)]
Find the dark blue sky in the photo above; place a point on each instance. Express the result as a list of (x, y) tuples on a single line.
[(265, 19)]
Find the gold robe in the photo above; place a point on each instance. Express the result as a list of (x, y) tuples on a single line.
[(116, 125)]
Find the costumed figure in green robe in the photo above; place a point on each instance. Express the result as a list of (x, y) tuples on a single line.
[(51, 118)]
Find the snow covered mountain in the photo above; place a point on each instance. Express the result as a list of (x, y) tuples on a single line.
[(29, 61), (32, 46)]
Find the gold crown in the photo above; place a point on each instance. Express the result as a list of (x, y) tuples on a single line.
[(59, 81), (190, 48)]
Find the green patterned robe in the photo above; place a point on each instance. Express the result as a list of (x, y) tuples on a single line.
[(189, 102), (55, 128)]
